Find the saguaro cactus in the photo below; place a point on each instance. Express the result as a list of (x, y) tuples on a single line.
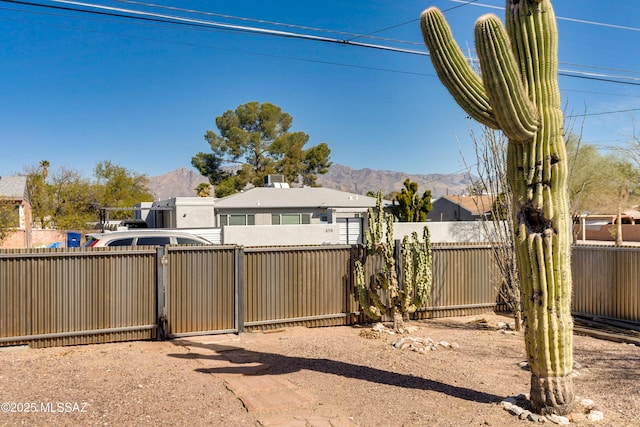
[(518, 93)]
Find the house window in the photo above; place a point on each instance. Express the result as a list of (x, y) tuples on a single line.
[(237, 219), (290, 219)]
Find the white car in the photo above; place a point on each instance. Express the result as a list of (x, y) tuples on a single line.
[(142, 237)]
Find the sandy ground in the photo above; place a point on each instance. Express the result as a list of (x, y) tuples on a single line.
[(353, 377)]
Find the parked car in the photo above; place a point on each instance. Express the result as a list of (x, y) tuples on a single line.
[(142, 238)]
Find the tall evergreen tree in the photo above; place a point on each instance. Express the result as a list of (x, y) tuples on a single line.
[(256, 139)]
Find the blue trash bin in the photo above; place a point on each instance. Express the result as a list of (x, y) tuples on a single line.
[(73, 239)]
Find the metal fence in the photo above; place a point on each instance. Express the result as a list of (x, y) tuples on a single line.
[(606, 282), (66, 297), (60, 297)]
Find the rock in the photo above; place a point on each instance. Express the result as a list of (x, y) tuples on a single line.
[(586, 403), (524, 415), (533, 417), (597, 408), (595, 416), (444, 344), (576, 365), (576, 417), (378, 327), (410, 329), (515, 410), (557, 419)]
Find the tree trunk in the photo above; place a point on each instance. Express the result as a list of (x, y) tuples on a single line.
[(619, 226)]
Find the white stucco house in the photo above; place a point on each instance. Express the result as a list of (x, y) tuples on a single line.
[(263, 216), (279, 213)]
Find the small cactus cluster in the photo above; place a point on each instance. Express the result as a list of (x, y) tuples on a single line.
[(383, 295)]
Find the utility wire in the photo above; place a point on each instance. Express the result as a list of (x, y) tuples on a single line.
[(352, 36), (602, 113), (156, 17), (560, 18), (169, 19)]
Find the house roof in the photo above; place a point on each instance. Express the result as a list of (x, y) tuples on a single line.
[(476, 205), (13, 187), (306, 197)]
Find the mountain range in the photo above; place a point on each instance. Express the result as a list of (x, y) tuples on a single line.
[(182, 182)]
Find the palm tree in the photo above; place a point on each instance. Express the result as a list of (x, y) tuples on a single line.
[(44, 168), (203, 189)]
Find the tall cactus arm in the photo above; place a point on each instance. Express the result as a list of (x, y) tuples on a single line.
[(454, 70), (514, 112), (538, 61)]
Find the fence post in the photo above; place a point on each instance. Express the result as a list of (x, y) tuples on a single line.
[(397, 253), (162, 275), (239, 288)]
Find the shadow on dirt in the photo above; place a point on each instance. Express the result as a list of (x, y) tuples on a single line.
[(278, 364)]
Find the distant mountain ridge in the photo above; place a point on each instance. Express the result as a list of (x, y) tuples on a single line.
[(182, 182), (360, 181), (178, 183)]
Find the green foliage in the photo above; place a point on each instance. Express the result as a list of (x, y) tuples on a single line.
[(69, 201), (518, 93), (257, 138), (73, 200), (203, 189), (117, 187), (9, 218), (596, 179), (383, 295), (409, 206)]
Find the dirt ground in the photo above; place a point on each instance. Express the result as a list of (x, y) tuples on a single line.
[(353, 377)]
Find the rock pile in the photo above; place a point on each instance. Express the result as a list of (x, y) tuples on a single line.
[(421, 345), (584, 410)]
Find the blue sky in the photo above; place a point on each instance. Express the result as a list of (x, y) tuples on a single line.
[(76, 89)]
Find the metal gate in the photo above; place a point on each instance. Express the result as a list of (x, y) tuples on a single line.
[(350, 231)]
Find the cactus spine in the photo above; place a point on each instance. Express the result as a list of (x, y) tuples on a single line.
[(519, 94), (383, 295)]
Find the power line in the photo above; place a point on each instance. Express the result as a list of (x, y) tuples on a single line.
[(247, 52), (560, 18), (170, 19), (602, 113), (155, 17), (352, 36)]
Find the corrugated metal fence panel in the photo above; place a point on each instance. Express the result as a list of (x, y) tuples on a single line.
[(297, 285), (200, 294), (464, 281), (51, 297), (606, 282)]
